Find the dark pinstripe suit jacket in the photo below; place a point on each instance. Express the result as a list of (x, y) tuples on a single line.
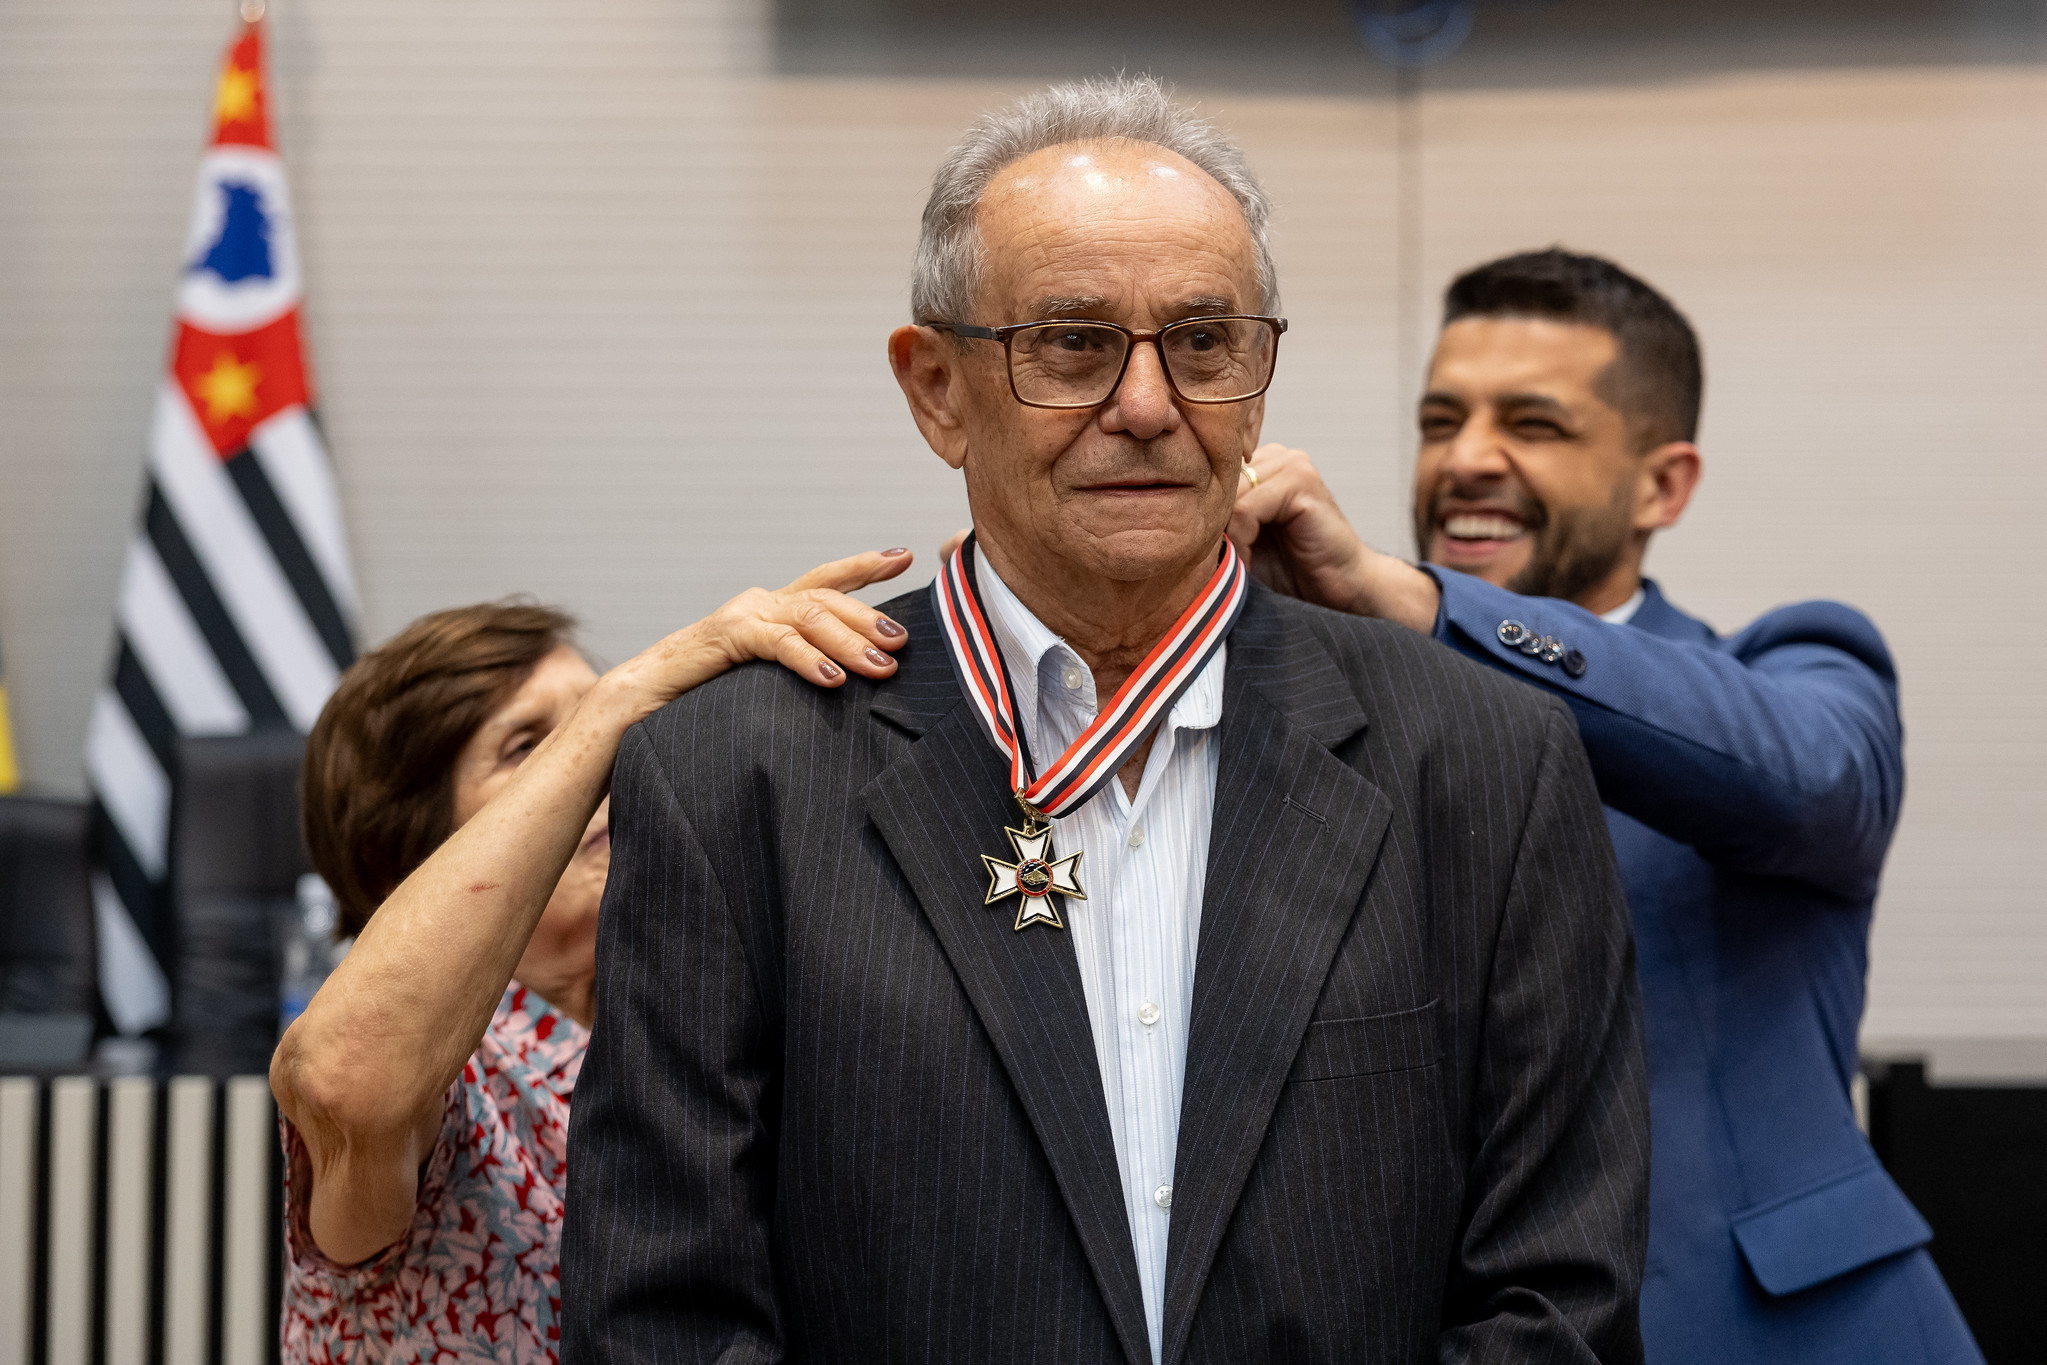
[(835, 1108)]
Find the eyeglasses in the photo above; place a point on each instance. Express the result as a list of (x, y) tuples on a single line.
[(1071, 363)]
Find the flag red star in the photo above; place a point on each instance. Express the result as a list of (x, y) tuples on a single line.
[(234, 382)]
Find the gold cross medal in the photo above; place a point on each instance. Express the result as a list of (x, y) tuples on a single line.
[(1035, 874)]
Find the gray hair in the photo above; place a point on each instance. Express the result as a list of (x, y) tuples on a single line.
[(950, 254)]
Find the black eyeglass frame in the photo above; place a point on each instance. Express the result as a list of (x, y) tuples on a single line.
[(1132, 339)]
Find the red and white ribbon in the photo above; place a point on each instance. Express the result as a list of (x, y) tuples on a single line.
[(1145, 696)]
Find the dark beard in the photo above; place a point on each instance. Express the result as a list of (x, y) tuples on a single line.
[(1576, 550), (1572, 550)]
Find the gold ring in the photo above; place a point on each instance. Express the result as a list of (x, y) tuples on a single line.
[(1251, 473)]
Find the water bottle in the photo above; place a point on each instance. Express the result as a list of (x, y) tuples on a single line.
[(310, 949)]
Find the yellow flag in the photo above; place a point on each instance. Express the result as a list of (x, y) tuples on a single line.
[(10, 775)]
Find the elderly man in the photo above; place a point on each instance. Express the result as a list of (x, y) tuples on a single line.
[(1155, 969), (1752, 783)]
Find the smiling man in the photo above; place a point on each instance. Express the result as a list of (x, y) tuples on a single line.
[(1752, 783), (1156, 969)]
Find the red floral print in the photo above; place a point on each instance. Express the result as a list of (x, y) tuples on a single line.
[(475, 1278)]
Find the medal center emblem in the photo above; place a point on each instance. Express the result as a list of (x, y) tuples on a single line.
[(1037, 877)]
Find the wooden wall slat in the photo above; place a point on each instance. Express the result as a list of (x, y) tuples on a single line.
[(249, 1223), (74, 1124), (130, 1171), (19, 1104), (187, 1295)]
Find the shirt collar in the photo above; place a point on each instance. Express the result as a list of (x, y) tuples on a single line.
[(1036, 659), (1625, 612)]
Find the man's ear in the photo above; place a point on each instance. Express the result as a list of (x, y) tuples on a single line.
[(1669, 474), (927, 367)]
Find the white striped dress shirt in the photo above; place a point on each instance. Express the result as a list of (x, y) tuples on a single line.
[(1144, 863)]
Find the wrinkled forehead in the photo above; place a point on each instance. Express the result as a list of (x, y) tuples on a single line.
[(1113, 228)]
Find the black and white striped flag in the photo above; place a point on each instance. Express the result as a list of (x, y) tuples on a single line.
[(236, 600)]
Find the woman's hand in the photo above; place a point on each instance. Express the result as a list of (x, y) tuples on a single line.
[(811, 627)]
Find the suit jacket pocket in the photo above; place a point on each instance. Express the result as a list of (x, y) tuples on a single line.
[(1334, 1048), (1837, 1224)]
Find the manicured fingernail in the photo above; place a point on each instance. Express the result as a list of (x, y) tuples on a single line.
[(829, 671), (896, 550), (886, 627), (876, 657)]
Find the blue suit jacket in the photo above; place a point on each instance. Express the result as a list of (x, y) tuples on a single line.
[(1751, 784)]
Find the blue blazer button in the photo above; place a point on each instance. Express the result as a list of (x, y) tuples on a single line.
[(1574, 663)]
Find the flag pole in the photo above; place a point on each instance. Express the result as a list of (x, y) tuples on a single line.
[(252, 11)]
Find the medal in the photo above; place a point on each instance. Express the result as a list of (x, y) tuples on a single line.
[(1097, 755), (1035, 874)]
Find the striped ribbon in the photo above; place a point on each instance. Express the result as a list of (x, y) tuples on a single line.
[(1147, 694)]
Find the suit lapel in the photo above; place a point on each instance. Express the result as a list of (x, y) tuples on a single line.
[(940, 807), (1295, 835)]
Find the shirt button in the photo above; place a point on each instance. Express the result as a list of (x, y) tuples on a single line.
[(1163, 1196), (1137, 836), (1071, 677), (1148, 1014)]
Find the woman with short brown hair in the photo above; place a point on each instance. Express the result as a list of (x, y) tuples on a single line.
[(454, 798)]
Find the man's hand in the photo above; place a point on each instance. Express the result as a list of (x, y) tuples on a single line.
[(1289, 529)]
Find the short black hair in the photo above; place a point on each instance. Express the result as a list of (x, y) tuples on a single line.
[(1657, 378)]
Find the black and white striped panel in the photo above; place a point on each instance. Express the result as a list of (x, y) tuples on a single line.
[(235, 612), (140, 1222)]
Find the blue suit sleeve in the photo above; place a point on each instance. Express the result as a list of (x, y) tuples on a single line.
[(1777, 751)]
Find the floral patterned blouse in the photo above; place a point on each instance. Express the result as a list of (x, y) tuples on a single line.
[(475, 1278)]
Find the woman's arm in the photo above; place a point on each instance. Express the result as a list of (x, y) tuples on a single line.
[(363, 1073)]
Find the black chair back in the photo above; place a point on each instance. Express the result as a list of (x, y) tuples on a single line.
[(46, 932), (236, 857)]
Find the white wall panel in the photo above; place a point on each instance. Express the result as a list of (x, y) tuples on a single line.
[(1864, 253), (596, 305)]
